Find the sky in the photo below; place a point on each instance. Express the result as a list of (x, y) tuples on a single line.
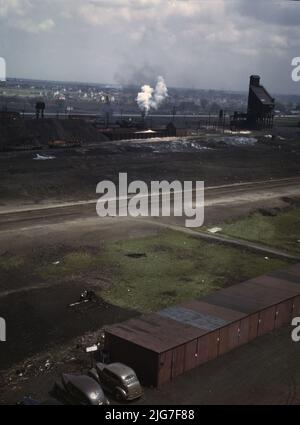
[(192, 43)]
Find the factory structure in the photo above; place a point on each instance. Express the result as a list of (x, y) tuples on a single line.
[(261, 108)]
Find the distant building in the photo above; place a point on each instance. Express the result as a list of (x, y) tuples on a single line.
[(171, 130), (261, 108)]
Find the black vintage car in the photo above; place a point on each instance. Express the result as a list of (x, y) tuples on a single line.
[(79, 390)]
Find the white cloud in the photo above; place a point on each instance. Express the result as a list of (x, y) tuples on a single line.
[(14, 7), (30, 26), (20, 14)]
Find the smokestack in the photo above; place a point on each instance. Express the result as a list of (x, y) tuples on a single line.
[(255, 80)]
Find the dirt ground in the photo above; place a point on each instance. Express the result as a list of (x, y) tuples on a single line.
[(35, 301), (74, 174)]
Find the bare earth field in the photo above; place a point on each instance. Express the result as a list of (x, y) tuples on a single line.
[(74, 174)]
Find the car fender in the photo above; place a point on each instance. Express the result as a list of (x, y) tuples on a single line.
[(121, 392), (94, 375)]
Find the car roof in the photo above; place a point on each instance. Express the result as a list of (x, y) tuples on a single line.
[(120, 369), (83, 383)]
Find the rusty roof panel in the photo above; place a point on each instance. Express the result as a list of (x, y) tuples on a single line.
[(294, 269), (168, 331), (280, 289), (233, 302), (250, 293), (194, 318), (288, 276), (216, 311), (155, 333), (254, 289), (255, 294), (266, 290)]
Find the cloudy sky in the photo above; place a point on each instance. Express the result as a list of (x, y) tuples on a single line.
[(192, 43)]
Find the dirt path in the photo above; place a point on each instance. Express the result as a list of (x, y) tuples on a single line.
[(290, 185), (219, 195)]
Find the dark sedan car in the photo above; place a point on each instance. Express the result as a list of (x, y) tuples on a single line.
[(79, 390)]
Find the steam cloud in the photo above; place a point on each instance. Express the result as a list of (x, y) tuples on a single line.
[(150, 98)]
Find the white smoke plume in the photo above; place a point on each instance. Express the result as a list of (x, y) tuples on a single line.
[(144, 98), (150, 98)]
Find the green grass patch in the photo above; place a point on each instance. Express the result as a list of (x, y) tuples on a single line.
[(145, 274), (281, 231), (72, 263), (11, 263), (176, 268)]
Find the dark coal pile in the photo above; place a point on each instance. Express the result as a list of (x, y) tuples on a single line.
[(33, 134)]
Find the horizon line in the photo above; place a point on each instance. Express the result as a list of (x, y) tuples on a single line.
[(138, 85)]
